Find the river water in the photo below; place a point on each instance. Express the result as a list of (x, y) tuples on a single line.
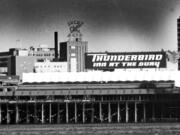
[(93, 129)]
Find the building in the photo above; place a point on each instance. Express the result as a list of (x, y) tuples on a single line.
[(48, 66), (43, 52), (17, 60), (73, 51)]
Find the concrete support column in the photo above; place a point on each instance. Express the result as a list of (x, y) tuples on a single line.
[(17, 114), (118, 112), (162, 108), (7, 115), (58, 113), (0, 114), (27, 114), (100, 111), (127, 112), (83, 113), (135, 112), (109, 112), (67, 113), (92, 113), (75, 112), (144, 112), (35, 113), (42, 113), (153, 111), (50, 113)]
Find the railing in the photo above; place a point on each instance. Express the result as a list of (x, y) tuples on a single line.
[(163, 120)]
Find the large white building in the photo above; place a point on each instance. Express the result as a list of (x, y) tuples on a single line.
[(47, 66)]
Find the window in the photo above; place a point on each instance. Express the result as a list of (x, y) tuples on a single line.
[(73, 47), (73, 54)]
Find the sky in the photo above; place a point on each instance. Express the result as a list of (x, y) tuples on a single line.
[(109, 25)]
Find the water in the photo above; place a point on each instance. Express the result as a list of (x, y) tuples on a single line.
[(93, 129)]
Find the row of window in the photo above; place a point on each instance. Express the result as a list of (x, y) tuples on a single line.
[(46, 54), (48, 70), (48, 66), (3, 69)]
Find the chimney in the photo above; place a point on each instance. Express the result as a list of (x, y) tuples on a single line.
[(178, 39), (56, 44)]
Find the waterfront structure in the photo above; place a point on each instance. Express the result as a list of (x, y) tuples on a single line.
[(99, 100), (51, 96)]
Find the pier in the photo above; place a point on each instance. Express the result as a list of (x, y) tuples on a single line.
[(113, 102)]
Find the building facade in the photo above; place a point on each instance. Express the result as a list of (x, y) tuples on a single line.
[(73, 51), (47, 66), (17, 60)]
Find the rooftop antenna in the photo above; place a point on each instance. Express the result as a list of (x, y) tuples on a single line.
[(19, 43)]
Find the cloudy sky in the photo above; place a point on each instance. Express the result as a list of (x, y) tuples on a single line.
[(109, 25)]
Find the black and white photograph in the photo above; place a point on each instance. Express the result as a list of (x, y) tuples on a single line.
[(89, 67)]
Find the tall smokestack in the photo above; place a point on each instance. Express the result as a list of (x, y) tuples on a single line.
[(56, 44), (178, 40)]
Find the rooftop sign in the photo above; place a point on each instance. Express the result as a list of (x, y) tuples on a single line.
[(111, 60), (74, 25)]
